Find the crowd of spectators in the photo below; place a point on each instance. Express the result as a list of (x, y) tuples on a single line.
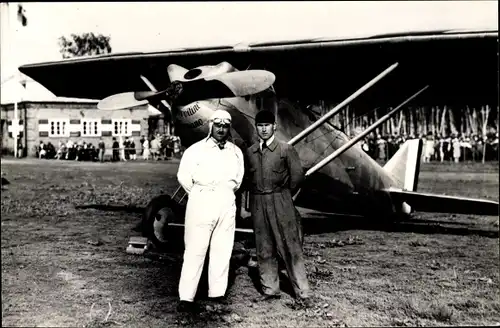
[(454, 147), (122, 149)]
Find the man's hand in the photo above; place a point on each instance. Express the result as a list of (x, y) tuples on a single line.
[(244, 214)]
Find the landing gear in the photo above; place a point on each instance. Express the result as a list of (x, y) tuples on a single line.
[(160, 211)]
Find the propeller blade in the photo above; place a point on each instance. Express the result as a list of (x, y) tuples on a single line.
[(228, 85), (144, 95), (120, 101), (245, 83)]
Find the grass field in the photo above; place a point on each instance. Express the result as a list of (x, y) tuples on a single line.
[(68, 267)]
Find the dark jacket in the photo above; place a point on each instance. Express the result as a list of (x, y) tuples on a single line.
[(279, 169)]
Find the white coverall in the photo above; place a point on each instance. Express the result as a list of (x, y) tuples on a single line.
[(210, 176)]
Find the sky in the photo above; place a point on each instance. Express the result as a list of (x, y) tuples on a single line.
[(156, 26)]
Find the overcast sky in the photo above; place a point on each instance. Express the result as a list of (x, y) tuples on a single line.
[(166, 25)]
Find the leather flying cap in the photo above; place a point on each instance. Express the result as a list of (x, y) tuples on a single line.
[(221, 116), (265, 116)]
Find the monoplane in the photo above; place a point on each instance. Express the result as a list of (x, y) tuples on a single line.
[(450, 67)]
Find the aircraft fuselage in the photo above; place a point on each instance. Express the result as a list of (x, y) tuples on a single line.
[(350, 184)]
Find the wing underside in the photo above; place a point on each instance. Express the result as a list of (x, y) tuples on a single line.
[(455, 64)]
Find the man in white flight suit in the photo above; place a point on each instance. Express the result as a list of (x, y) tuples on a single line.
[(210, 171)]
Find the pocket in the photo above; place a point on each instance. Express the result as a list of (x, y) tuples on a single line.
[(279, 167)]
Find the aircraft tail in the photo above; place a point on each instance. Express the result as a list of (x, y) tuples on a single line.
[(404, 166)]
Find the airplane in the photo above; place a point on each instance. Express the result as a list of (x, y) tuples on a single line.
[(433, 67)]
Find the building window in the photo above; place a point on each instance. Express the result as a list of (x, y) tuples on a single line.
[(122, 127), (58, 128), (91, 128)]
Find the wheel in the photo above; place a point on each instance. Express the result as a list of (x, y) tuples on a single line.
[(160, 211)]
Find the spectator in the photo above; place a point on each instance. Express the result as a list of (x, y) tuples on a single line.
[(126, 146), (154, 148), (466, 146), (145, 147), (365, 146), (382, 148), (116, 150), (141, 141), (132, 150), (494, 145), (428, 148), (41, 151), (456, 148), (69, 147), (177, 146), (391, 147), (122, 149), (51, 151), (102, 149)]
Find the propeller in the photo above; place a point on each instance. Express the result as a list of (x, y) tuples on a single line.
[(227, 85), (120, 101)]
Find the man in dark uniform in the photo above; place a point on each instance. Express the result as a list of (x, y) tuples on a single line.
[(116, 150), (274, 173)]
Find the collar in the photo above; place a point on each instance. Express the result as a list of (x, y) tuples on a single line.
[(268, 141), (213, 143), (271, 143)]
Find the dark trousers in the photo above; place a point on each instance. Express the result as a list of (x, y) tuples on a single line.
[(278, 233)]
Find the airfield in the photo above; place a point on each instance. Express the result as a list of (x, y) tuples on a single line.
[(67, 266)]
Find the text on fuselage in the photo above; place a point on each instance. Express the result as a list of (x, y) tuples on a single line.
[(194, 124), (189, 111)]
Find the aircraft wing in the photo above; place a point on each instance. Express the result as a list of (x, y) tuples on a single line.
[(426, 202), (457, 65)]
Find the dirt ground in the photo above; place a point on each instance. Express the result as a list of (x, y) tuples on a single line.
[(63, 266)]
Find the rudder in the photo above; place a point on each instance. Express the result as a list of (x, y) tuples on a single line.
[(404, 166)]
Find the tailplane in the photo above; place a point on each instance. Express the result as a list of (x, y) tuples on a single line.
[(404, 166)]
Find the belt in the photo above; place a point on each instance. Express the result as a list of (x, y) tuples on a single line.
[(212, 188), (268, 192)]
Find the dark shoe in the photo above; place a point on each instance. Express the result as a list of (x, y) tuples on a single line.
[(218, 300), (266, 298), (218, 305), (185, 306)]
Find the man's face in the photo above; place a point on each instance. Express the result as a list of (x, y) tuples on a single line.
[(265, 130), (220, 131)]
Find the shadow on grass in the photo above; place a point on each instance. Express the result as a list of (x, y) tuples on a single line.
[(318, 223), (324, 223)]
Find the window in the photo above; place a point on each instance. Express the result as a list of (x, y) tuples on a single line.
[(91, 128), (58, 128), (122, 127)]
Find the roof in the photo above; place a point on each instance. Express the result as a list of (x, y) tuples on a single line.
[(62, 100), (56, 100)]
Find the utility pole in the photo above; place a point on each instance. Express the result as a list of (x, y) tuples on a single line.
[(11, 35)]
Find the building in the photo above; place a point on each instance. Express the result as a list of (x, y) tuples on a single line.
[(79, 120)]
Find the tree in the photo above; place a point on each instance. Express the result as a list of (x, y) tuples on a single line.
[(86, 44)]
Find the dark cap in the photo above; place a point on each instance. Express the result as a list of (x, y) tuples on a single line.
[(265, 116)]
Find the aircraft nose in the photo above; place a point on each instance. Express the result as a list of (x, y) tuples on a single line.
[(191, 74)]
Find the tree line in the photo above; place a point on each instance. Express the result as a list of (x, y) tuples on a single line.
[(420, 120)]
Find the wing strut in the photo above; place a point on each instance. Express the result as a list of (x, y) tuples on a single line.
[(340, 106), (353, 141)]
